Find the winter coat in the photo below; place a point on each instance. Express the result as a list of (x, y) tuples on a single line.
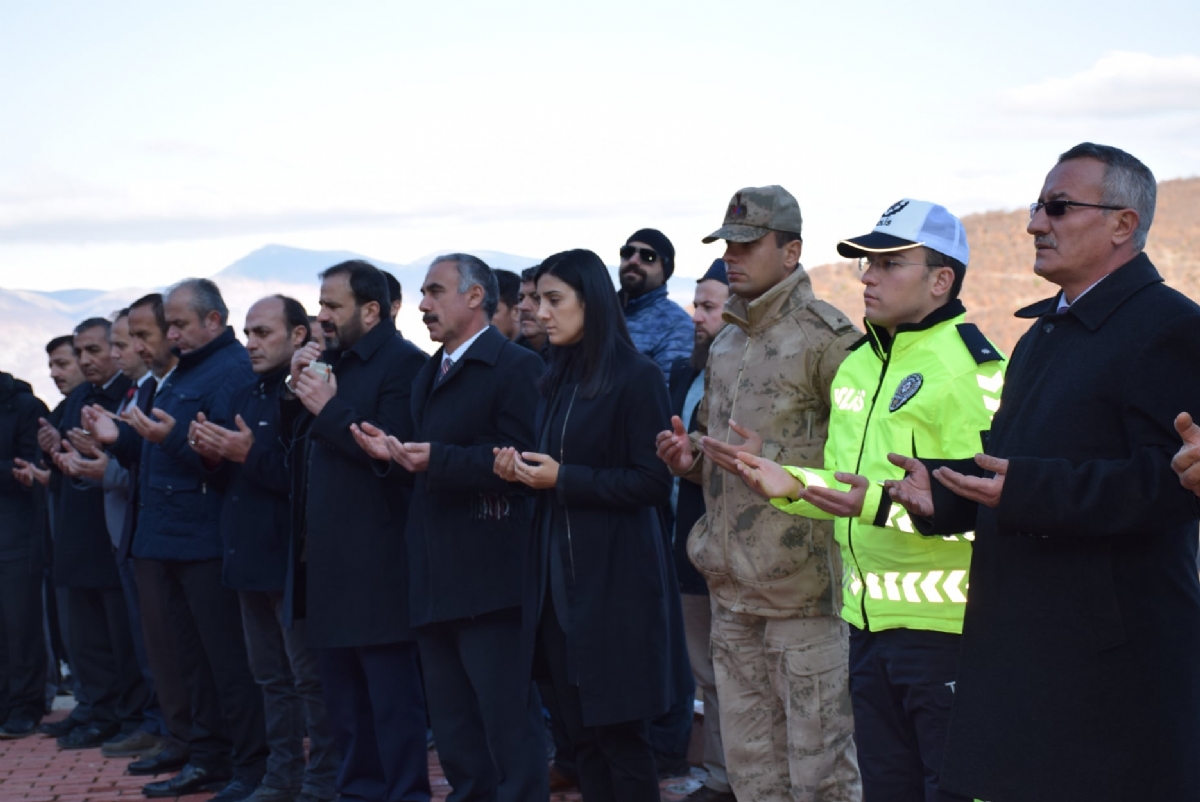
[(770, 371), (468, 529), (601, 525), (179, 508), (659, 328), (1078, 676), (348, 573)]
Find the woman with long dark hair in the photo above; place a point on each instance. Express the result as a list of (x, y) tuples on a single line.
[(599, 576)]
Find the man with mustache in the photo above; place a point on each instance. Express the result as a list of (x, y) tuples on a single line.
[(1077, 674), (658, 326), (348, 576), (533, 331)]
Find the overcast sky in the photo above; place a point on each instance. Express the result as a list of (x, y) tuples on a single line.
[(142, 142)]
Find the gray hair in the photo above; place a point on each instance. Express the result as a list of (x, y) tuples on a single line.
[(206, 297), (474, 271), (1127, 183)]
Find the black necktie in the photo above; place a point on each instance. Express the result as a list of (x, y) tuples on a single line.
[(145, 398)]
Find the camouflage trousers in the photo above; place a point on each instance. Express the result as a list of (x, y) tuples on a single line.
[(786, 718)]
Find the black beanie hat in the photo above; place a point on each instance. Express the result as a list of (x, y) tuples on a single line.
[(716, 272), (661, 245)]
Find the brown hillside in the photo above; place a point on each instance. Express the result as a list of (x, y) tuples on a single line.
[(1001, 279)]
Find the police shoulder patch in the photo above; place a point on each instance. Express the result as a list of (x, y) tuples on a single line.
[(907, 388), (979, 346)]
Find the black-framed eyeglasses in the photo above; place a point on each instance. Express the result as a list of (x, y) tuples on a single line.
[(647, 256), (886, 265), (1057, 208)]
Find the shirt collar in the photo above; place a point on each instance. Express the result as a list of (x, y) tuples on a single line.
[(458, 352), (1063, 305)]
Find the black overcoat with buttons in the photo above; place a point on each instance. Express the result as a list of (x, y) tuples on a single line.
[(1080, 668)]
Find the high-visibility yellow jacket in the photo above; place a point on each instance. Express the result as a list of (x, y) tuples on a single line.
[(929, 392)]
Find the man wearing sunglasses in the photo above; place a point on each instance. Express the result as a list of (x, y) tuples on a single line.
[(1078, 672), (659, 327), (923, 381)]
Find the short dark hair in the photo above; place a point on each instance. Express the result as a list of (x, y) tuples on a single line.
[(509, 284), (58, 342), (124, 312), (206, 297), (782, 238), (1127, 183), (471, 271), (529, 274), (938, 259), (294, 314), (155, 301), (366, 283), (94, 322), (395, 291), (605, 336)]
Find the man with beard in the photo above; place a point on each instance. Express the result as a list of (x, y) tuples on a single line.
[(100, 642), (658, 326), (255, 530), (349, 569), (533, 331), (177, 549), (687, 506), (22, 646)]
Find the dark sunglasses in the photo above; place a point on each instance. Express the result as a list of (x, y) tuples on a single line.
[(1057, 208), (647, 256)]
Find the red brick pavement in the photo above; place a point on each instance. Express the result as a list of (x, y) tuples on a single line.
[(34, 769)]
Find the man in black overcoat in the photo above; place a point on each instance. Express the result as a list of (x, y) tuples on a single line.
[(349, 568), (1081, 640), (467, 533)]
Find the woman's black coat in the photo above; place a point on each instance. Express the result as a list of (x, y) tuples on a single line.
[(610, 483)]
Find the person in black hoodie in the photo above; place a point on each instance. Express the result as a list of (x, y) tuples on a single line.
[(22, 644), (255, 531), (598, 589)]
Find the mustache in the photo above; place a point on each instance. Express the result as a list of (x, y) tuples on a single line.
[(1046, 240), (427, 319), (329, 328), (634, 269)]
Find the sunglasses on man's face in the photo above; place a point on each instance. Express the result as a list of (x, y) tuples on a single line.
[(647, 256), (1057, 208)]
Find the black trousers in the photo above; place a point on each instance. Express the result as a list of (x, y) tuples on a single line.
[(377, 712), (22, 642), (194, 639), (902, 689), (615, 762), (488, 725), (104, 659)]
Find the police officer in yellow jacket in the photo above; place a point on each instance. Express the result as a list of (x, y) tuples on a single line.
[(921, 382)]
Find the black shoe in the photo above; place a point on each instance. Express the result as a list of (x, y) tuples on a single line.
[(706, 794), (171, 757), (670, 769), (134, 744), (92, 736), (192, 780), (236, 791), (57, 729), (18, 727)]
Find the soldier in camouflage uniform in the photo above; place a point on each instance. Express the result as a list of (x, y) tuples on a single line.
[(779, 649)]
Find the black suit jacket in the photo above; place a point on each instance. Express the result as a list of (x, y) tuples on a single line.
[(467, 528), (349, 569), (82, 547)]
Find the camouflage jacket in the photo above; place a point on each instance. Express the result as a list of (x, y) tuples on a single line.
[(771, 371)]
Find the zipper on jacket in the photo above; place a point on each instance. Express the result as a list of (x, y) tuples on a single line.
[(862, 445), (562, 451)]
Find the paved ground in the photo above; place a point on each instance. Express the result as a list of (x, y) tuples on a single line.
[(34, 769)]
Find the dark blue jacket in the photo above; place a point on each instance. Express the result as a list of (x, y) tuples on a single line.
[(256, 517), (468, 529), (660, 328), (178, 506)]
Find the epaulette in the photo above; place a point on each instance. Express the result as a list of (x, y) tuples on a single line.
[(978, 345), (860, 342), (831, 315)]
